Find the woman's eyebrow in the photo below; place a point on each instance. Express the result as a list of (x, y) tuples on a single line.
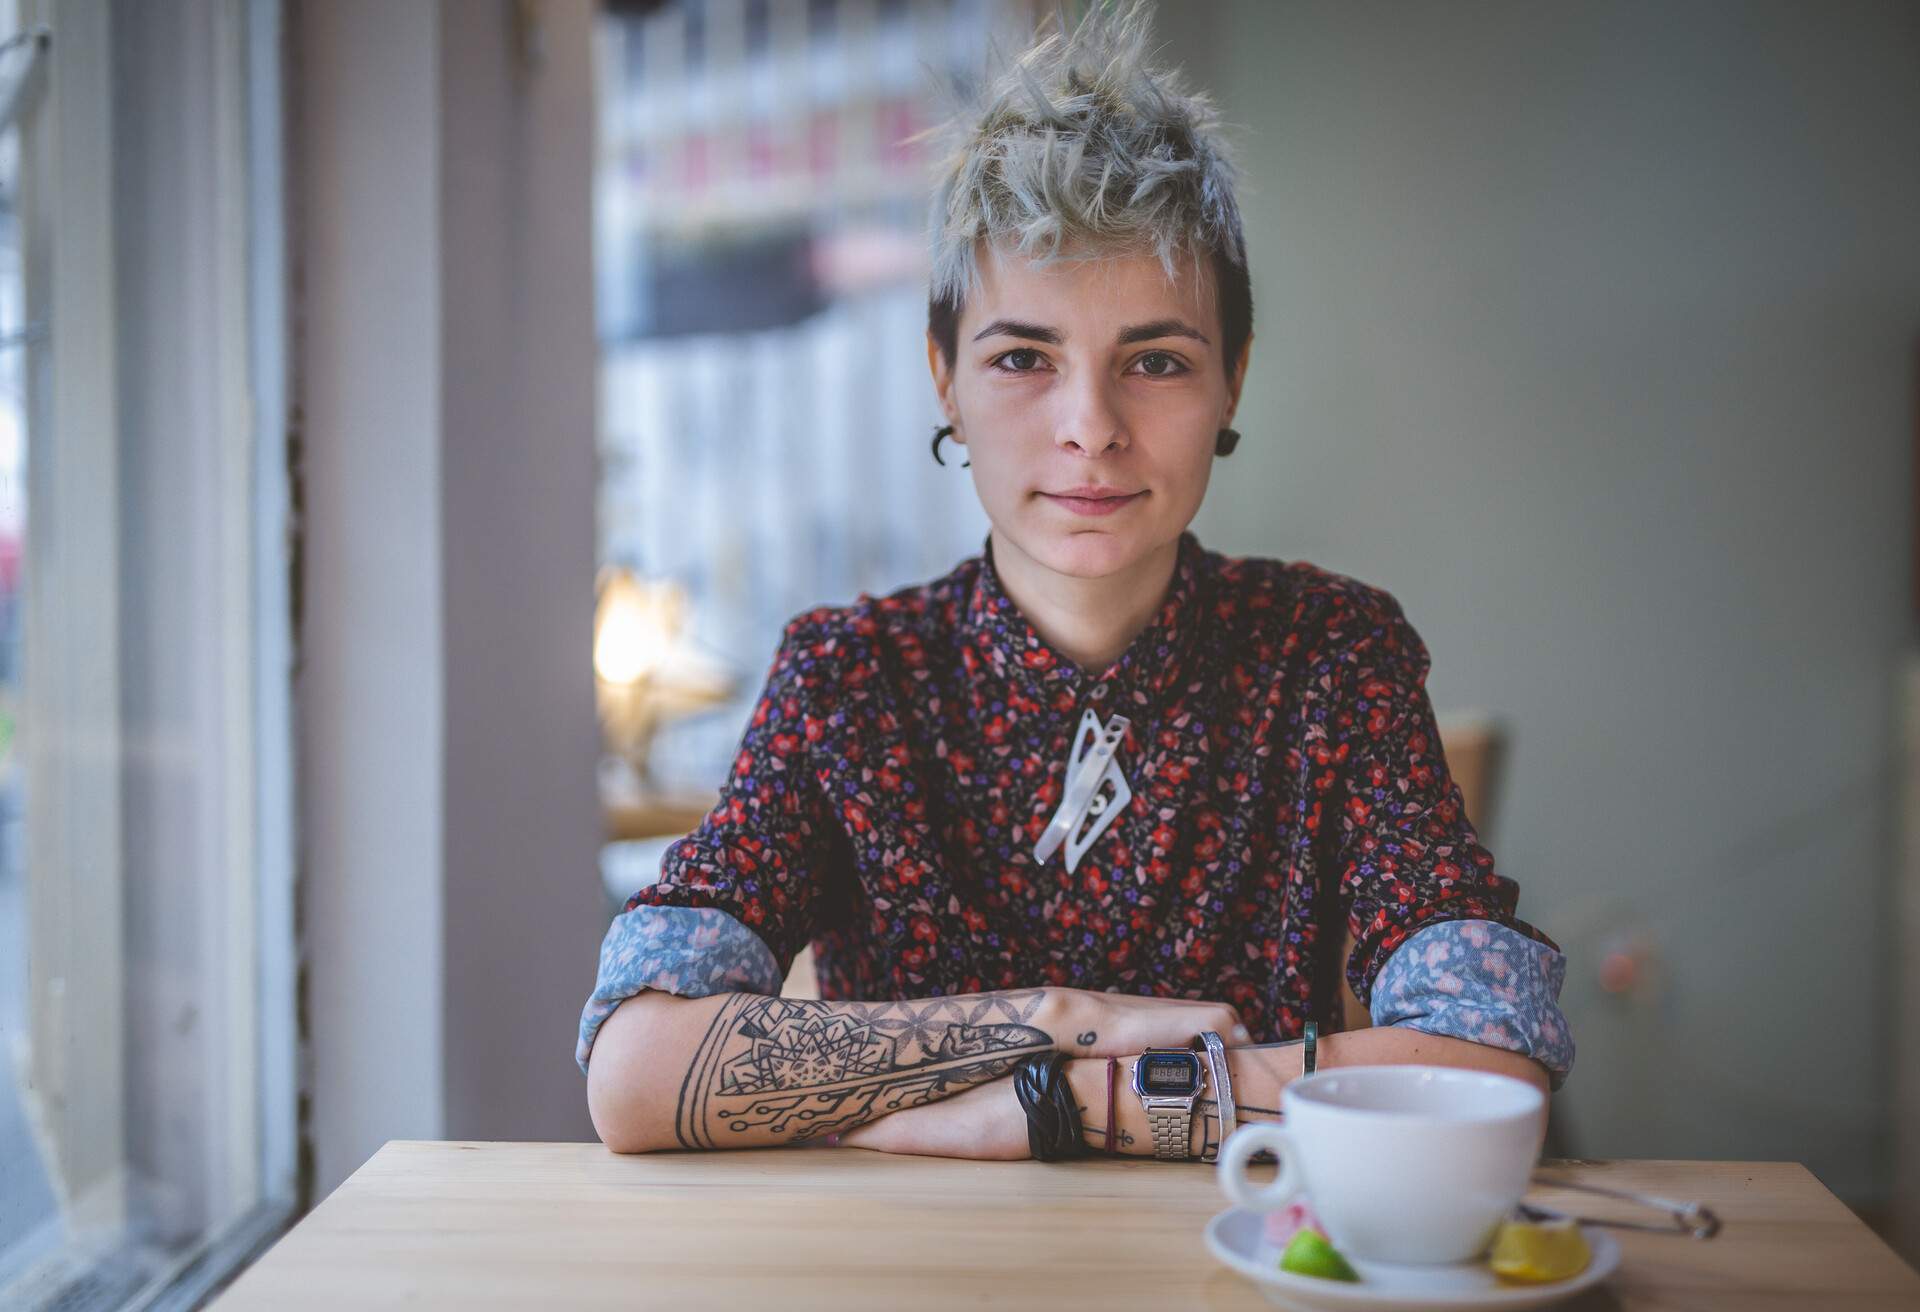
[(1140, 332), (1033, 332), (1146, 332)]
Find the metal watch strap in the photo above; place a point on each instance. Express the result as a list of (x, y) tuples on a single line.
[(1172, 1132)]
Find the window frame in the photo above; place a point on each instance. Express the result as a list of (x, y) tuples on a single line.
[(72, 739)]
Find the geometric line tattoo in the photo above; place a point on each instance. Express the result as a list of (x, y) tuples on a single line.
[(803, 1068)]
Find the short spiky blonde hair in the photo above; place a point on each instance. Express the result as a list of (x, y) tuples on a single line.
[(1080, 145)]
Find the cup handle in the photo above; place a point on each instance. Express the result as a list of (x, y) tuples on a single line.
[(1242, 1144)]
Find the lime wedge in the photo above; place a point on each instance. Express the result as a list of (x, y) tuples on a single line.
[(1309, 1254)]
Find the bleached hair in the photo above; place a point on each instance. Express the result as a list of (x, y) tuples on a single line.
[(1080, 145)]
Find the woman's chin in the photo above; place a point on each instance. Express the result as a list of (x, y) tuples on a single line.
[(1089, 552)]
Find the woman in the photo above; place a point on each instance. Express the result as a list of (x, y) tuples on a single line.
[(1098, 789)]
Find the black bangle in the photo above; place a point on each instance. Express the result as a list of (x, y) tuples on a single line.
[(1053, 1118)]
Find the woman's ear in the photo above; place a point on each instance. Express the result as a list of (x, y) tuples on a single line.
[(942, 379), (1239, 377)]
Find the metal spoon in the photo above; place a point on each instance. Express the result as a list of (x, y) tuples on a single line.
[(1692, 1219)]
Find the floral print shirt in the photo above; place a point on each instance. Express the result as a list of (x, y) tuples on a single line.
[(908, 751)]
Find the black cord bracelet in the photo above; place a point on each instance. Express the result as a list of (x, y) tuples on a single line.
[(1053, 1118), (1073, 1140)]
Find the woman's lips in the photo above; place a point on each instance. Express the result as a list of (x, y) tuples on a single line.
[(1093, 505)]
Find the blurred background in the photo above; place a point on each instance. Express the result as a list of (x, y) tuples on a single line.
[(419, 417)]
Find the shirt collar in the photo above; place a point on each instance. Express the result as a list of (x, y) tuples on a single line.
[(1012, 652)]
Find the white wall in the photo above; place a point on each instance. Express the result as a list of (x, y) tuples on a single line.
[(519, 374), (1590, 332), (447, 353), (372, 674)]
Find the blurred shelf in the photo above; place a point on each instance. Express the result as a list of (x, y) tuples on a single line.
[(655, 817)]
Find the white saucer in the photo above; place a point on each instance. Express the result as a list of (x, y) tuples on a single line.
[(1237, 1238)]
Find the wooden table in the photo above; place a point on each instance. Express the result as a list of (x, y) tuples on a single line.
[(573, 1225)]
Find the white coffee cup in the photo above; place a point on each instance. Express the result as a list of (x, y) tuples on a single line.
[(1402, 1164)]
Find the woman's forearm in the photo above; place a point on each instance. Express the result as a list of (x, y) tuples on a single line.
[(739, 1070), (1400, 1045), (986, 1121), (1260, 1071)]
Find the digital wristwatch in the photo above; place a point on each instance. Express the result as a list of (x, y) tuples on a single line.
[(1168, 1082)]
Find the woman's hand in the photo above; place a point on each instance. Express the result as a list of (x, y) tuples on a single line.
[(1088, 1023), (984, 1122)]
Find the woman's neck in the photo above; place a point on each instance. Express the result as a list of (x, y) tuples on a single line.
[(1089, 621)]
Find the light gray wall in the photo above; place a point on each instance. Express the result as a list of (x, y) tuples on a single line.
[(372, 679), (520, 368), (450, 820), (1590, 332)]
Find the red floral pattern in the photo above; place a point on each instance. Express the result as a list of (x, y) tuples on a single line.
[(908, 750)]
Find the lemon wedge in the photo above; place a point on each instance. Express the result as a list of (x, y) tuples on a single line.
[(1536, 1251), (1309, 1253)]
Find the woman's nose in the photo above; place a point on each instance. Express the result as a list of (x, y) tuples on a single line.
[(1089, 420)]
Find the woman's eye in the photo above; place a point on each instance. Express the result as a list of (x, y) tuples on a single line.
[(1025, 360), (1170, 367), (1022, 361)]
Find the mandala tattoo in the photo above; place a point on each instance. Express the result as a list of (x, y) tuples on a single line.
[(802, 1068)]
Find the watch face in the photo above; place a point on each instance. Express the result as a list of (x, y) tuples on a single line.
[(1168, 1074)]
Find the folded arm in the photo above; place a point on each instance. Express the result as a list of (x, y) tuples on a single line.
[(1260, 1071), (739, 1070), (987, 1122), (685, 1043), (1470, 993)]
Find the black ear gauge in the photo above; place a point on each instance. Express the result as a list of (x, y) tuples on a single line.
[(940, 433)]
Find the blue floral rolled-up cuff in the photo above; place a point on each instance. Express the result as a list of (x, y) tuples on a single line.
[(691, 951), (1481, 981)]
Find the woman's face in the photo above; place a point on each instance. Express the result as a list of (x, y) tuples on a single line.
[(1088, 374)]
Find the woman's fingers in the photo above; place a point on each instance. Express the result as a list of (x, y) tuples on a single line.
[(1120, 1025), (1177, 1028)]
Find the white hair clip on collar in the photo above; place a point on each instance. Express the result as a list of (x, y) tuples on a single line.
[(1090, 767)]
